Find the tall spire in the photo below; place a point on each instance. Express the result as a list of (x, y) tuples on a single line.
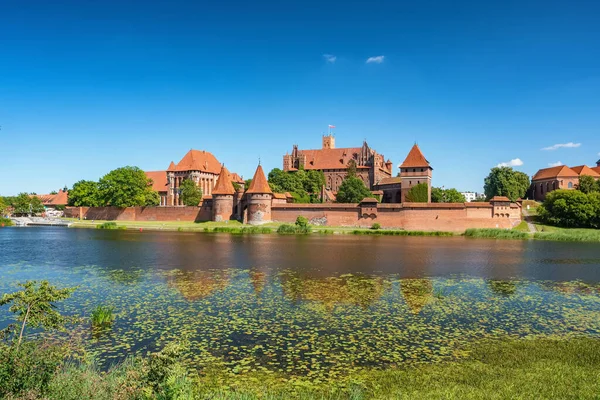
[(415, 158), (224, 185), (259, 182)]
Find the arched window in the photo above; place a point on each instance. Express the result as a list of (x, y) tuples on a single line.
[(570, 185)]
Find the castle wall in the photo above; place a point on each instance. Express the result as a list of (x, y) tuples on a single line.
[(169, 213)]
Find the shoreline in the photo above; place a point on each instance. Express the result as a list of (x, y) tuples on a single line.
[(545, 233)]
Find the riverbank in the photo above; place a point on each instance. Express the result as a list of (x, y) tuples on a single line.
[(508, 369), (520, 232)]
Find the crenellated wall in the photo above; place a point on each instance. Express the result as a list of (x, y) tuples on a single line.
[(452, 217)]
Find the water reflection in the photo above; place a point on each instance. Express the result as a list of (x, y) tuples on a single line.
[(501, 287), (416, 293), (195, 285)]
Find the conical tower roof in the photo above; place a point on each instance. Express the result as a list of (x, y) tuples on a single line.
[(415, 158), (259, 183), (171, 166), (224, 185)]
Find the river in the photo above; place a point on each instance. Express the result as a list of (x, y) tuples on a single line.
[(302, 305)]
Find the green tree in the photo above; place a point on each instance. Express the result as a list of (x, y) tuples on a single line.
[(418, 193), (587, 184), (34, 306), (570, 208), (439, 195), (85, 194), (304, 186), (505, 181), (314, 181), (247, 183), (3, 207), (351, 171), (25, 204), (352, 190), (191, 194), (127, 187)]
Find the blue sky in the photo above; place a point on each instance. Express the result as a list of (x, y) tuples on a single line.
[(86, 87)]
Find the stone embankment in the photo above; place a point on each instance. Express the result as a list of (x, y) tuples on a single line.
[(38, 221)]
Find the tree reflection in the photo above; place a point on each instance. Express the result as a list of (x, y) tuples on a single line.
[(195, 285), (416, 293), (258, 279), (349, 289), (502, 287)]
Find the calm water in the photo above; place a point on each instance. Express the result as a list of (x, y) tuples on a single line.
[(315, 305)]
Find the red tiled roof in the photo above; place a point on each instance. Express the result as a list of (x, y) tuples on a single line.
[(500, 198), (198, 160), (279, 196), (597, 169), (329, 158), (585, 170), (554, 172), (369, 200), (415, 159), (59, 199), (390, 181), (236, 178), (171, 166), (259, 182), (159, 180), (224, 185)]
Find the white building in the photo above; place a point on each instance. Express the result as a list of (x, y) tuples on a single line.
[(472, 196)]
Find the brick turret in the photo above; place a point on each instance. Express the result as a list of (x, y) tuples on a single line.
[(222, 195), (414, 170), (259, 198)]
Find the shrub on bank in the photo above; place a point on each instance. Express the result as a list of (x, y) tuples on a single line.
[(108, 225), (240, 230), (5, 222), (288, 229), (493, 233)]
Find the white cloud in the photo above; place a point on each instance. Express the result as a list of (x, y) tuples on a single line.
[(569, 145), (376, 60), (555, 164), (512, 163), (330, 58)]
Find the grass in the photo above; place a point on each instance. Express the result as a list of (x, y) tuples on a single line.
[(522, 227), (509, 369), (491, 233), (102, 316), (390, 232), (242, 230)]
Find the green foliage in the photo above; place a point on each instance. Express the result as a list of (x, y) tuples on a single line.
[(108, 225), (5, 222), (570, 235), (3, 207), (304, 186), (376, 226), (191, 194), (54, 192), (102, 316), (588, 184), (127, 187), (30, 368), (34, 307), (390, 232), (236, 186), (352, 190), (60, 207), (25, 204), (246, 230), (439, 195), (288, 229), (351, 171), (301, 221), (502, 287), (571, 208), (85, 194), (247, 183), (418, 193), (504, 181), (493, 233)]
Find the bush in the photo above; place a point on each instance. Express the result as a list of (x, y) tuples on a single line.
[(288, 229), (571, 208), (301, 221), (107, 225), (5, 222), (376, 226)]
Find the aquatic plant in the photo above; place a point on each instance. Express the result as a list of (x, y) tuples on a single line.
[(240, 230), (102, 316)]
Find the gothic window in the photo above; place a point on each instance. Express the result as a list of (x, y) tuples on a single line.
[(570, 185)]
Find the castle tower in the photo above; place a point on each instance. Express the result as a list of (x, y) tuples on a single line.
[(259, 197), (598, 163), (414, 170), (222, 195), (329, 141)]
